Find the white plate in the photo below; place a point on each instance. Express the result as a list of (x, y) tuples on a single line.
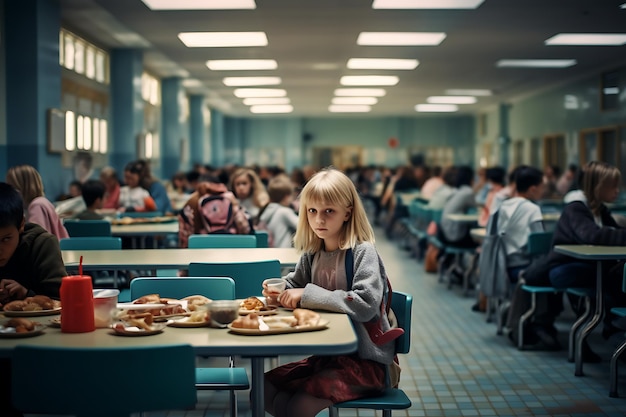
[(136, 331), (12, 335), (186, 323), (130, 306), (34, 313), (323, 324)]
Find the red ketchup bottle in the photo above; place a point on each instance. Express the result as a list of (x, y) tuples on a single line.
[(77, 313)]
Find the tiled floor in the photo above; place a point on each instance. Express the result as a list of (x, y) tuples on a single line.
[(458, 366)]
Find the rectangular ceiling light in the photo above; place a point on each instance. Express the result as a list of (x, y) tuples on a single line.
[(249, 81), (451, 100), (338, 108), (242, 64), (360, 92), (400, 38), (381, 63), (287, 108), (192, 82), (255, 101), (468, 92), (535, 63), (259, 92), (199, 4), (426, 4), (369, 80), (222, 39), (436, 108), (586, 39), (370, 101)]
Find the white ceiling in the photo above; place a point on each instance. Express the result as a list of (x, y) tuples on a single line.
[(306, 35)]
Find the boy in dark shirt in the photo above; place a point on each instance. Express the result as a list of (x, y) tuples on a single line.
[(93, 196), (30, 258), (30, 264)]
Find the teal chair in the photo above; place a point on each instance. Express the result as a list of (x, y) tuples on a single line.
[(620, 312), (104, 382), (229, 378), (248, 276), (262, 238), (91, 243), (222, 241), (539, 243), (83, 228), (392, 398)]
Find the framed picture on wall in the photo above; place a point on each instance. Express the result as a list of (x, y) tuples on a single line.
[(56, 131)]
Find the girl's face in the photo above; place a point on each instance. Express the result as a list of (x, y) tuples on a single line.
[(326, 221), (132, 180), (242, 186), (609, 192)]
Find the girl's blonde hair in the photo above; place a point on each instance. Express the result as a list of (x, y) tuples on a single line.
[(257, 189), (331, 186), (26, 180), (596, 176)]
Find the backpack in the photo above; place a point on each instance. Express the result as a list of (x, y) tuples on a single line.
[(216, 212), (492, 268)]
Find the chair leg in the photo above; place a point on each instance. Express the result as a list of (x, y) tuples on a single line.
[(233, 403), (571, 348), (502, 308), (469, 273), (613, 369), (522, 320)]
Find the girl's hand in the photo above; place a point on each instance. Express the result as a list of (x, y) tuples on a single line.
[(291, 298)]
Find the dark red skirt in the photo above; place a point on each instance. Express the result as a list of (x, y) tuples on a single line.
[(336, 378)]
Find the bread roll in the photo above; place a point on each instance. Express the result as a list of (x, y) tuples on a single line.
[(21, 324), (17, 305), (306, 317)]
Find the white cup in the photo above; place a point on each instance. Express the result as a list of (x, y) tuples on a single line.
[(275, 287), (104, 305)]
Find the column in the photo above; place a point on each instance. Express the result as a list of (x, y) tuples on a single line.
[(127, 106), (217, 138), (172, 132), (197, 137), (504, 137)]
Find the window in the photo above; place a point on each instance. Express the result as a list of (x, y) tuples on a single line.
[(554, 153), (80, 56), (600, 144)]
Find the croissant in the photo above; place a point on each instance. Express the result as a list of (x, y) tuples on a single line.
[(306, 317)]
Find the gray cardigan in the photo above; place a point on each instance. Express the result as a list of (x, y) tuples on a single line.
[(361, 302)]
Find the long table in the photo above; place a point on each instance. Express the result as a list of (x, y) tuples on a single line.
[(144, 259), (140, 232), (338, 338), (598, 254)]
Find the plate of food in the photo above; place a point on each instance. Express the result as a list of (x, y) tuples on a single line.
[(55, 322), (302, 320), (35, 306), (19, 327), (199, 318), (123, 329), (256, 305)]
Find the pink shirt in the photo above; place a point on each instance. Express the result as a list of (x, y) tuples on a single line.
[(41, 211)]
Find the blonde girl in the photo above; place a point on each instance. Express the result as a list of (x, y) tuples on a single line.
[(249, 190), (38, 209), (332, 226)]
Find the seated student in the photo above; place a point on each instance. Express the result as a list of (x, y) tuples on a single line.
[(192, 219), (462, 200), (589, 222), (39, 210), (518, 217), (108, 176), (133, 197), (278, 216), (93, 195), (495, 181), (30, 264)]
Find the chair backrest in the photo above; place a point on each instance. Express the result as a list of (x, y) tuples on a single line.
[(86, 228), (624, 280), (140, 378), (215, 288), (262, 238), (248, 276), (539, 243), (402, 304), (221, 241), (91, 243), (140, 214)]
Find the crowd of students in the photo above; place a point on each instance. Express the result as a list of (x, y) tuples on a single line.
[(515, 207)]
